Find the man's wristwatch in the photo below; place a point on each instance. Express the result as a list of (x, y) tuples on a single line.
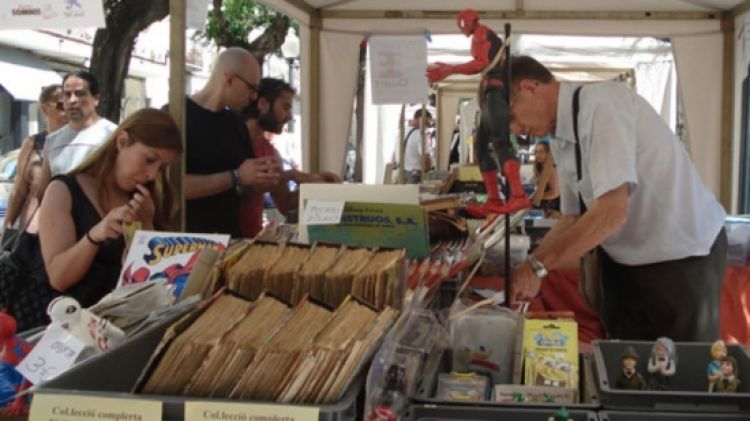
[(235, 180), (537, 267)]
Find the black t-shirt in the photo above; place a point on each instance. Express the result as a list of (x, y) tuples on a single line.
[(216, 142)]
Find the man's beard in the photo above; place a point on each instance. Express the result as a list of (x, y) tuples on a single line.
[(269, 123)]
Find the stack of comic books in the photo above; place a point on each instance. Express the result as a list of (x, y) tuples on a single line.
[(327, 274), (266, 351)]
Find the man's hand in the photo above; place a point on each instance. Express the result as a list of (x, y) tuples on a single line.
[(263, 173), (329, 177), (438, 71), (525, 284)]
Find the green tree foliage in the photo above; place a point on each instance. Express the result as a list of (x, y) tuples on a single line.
[(230, 23)]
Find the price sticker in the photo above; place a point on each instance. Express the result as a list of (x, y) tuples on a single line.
[(319, 212), (55, 353)]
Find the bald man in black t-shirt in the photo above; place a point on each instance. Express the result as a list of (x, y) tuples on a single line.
[(219, 159)]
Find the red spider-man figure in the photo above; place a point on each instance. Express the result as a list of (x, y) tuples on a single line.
[(493, 134), (12, 351)]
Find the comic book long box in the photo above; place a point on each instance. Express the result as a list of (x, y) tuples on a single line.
[(378, 225), (166, 255)]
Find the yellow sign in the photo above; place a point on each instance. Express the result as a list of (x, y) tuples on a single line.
[(227, 411), (48, 407)]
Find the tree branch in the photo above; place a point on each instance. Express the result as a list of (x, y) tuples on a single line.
[(271, 39)]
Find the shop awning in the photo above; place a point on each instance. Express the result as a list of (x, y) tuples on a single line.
[(23, 74)]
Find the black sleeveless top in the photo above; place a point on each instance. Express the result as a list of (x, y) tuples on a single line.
[(101, 277)]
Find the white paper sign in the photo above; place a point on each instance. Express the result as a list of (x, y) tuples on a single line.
[(55, 353), (51, 14), (398, 65), (196, 14), (319, 212)]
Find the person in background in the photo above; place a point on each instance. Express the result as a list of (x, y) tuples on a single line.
[(219, 158), (547, 196), (67, 147), (268, 115), (82, 213), (639, 198), (414, 156), (24, 198), (455, 155)]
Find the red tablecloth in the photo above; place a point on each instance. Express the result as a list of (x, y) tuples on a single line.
[(735, 305), (560, 293)]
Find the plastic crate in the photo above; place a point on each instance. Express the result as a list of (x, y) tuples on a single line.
[(688, 391), (427, 388), (439, 413), (114, 375), (667, 416)]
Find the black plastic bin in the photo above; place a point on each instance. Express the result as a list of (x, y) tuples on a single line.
[(114, 375), (440, 413), (688, 387), (667, 416)]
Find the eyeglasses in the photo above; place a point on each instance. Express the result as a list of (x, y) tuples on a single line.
[(251, 86)]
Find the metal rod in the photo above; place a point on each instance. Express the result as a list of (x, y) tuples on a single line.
[(506, 188)]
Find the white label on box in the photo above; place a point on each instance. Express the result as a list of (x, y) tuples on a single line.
[(48, 407), (213, 411), (319, 212), (55, 353)]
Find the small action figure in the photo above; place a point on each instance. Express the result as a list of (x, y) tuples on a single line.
[(728, 383), (493, 134), (662, 364), (630, 378), (560, 415), (393, 399), (718, 352), (12, 351)]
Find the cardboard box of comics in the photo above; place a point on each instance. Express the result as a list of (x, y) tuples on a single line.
[(550, 349)]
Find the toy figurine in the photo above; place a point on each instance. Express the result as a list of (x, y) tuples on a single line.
[(83, 324), (12, 351), (560, 415), (718, 352), (493, 134), (662, 364), (630, 378), (393, 399), (728, 383)]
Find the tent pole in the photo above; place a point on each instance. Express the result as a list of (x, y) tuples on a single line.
[(177, 17), (314, 92), (522, 14), (402, 145), (506, 189), (727, 110)]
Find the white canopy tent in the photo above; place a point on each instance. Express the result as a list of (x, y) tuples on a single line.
[(648, 61), (702, 33)]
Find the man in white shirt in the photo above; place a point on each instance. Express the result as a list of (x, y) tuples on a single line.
[(67, 147), (413, 154), (638, 197)]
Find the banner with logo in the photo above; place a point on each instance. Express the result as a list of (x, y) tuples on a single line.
[(51, 14), (397, 69)]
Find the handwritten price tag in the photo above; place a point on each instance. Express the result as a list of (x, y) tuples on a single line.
[(55, 353), (319, 212)]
